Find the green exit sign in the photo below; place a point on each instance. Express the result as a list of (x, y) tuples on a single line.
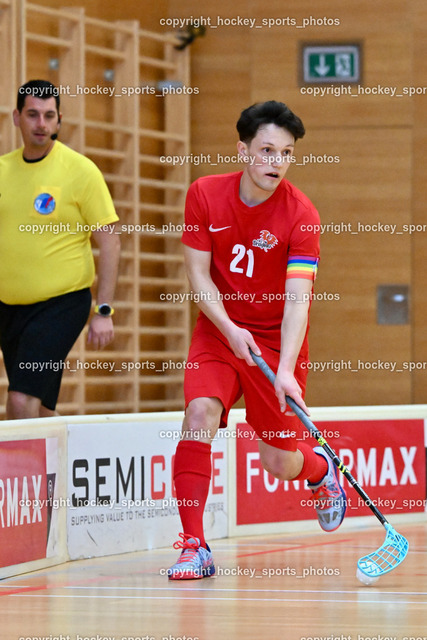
[(331, 63)]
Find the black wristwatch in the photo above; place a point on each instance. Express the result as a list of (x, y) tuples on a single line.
[(104, 310)]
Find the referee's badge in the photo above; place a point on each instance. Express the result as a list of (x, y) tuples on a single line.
[(44, 203)]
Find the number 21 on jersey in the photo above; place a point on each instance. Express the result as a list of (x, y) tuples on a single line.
[(242, 252)]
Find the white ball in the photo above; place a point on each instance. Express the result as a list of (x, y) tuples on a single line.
[(368, 580)]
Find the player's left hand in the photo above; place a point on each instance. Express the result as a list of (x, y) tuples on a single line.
[(101, 331), (286, 385)]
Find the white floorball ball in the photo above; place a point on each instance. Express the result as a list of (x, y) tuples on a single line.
[(368, 580)]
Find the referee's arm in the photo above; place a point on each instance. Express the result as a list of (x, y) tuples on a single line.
[(101, 330)]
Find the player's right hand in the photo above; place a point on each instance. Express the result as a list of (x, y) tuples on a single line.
[(241, 341)]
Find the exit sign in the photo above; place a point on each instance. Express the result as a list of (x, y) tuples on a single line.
[(331, 63)]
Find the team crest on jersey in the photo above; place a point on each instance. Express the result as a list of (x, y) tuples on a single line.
[(265, 241), (44, 203)]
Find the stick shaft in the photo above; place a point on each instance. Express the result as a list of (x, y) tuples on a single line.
[(303, 417)]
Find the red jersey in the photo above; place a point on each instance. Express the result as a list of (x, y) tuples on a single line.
[(254, 249)]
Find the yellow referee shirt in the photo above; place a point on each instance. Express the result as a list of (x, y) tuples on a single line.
[(48, 210)]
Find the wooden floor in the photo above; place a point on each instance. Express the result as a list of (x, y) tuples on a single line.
[(290, 587)]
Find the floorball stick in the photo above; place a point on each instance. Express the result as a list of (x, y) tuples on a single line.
[(395, 547)]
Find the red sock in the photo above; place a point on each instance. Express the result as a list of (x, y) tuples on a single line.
[(192, 476), (314, 466)]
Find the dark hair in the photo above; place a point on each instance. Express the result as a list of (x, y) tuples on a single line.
[(270, 112), (39, 89)]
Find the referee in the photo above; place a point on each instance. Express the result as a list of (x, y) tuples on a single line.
[(52, 200)]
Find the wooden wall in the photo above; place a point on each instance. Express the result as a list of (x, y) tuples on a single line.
[(380, 177), (146, 11), (419, 199)]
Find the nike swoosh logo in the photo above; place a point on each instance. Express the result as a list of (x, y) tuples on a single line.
[(213, 229)]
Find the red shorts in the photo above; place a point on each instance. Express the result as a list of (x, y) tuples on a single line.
[(214, 371)]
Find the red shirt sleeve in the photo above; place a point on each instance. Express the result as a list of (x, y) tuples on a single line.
[(303, 255), (196, 227)]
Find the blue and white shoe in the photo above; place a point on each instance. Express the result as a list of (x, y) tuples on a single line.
[(194, 562), (329, 497)]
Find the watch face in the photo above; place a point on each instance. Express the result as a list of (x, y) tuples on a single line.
[(104, 310)]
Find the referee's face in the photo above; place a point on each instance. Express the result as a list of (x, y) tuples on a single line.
[(37, 121)]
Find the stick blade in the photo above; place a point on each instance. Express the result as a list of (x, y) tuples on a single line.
[(391, 553)]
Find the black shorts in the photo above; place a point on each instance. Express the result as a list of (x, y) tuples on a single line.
[(36, 339)]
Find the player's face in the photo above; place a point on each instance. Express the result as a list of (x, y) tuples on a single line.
[(269, 155), (37, 121)]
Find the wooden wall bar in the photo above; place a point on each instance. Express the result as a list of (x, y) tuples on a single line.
[(125, 134)]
